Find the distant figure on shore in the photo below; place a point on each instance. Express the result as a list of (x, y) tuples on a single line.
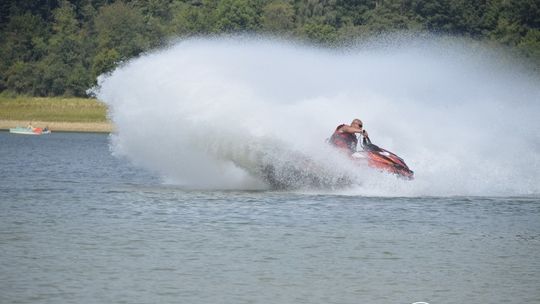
[(344, 136)]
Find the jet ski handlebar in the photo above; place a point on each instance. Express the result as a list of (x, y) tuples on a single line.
[(366, 139)]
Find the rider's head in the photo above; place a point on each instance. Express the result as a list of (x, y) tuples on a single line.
[(357, 123)]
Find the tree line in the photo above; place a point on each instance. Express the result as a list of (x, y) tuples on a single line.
[(59, 47)]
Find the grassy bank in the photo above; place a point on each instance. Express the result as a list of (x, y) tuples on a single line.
[(53, 109), (60, 114)]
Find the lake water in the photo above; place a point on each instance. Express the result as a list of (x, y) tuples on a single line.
[(78, 225)]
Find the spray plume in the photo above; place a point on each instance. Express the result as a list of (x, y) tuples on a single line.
[(250, 113)]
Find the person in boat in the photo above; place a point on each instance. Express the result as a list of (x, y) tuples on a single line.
[(344, 136), (30, 127)]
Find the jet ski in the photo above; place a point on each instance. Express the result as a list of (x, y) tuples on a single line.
[(383, 160), (283, 168)]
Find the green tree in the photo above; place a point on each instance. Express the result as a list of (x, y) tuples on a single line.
[(320, 33), (20, 77), (121, 33), (22, 42), (57, 47), (530, 46), (189, 19), (317, 12), (66, 72), (278, 17), (385, 17), (507, 32), (236, 16), (157, 15)]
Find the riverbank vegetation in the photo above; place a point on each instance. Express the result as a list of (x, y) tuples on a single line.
[(59, 47), (52, 109)]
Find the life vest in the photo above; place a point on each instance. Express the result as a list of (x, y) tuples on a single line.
[(344, 140)]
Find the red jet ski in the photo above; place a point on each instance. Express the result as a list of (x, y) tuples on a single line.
[(384, 160)]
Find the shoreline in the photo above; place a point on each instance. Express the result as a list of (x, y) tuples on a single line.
[(60, 126)]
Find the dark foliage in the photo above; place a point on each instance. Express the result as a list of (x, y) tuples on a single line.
[(59, 47)]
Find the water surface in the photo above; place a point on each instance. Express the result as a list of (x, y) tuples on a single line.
[(78, 225)]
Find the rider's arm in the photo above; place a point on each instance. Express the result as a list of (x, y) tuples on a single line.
[(350, 129)]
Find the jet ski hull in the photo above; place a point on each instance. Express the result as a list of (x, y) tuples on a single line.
[(387, 161)]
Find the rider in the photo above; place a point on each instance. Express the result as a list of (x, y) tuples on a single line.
[(345, 138)]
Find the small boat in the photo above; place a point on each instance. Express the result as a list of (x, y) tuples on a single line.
[(29, 131)]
